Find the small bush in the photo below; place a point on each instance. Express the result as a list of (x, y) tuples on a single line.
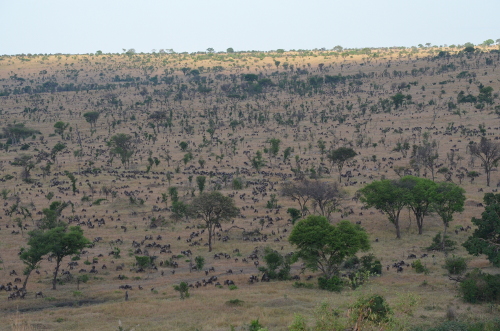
[(370, 264), (303, 285), (419, 267), (77, 293), (235, 302), (436, 245), (83, 278), (334, 284), (373, 309), (455, 265), (233, 287), (87, 263)]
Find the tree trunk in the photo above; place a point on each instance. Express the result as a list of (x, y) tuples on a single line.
[(398, 229), (26, 279), (420, 223), (209, 237), (55, 275), (444, 239)]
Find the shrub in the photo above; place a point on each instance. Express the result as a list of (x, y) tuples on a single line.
[(436, 245), (370, 264), (303, 285), (334, 284), (200, 262), (233, 287), (455, 265), (419, 267), (373, 309), (83, 278), (237, 184), (235, 302), (183, 289), (480, 287)]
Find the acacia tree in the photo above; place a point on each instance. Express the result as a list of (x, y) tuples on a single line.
[(91, 117), (213, 208), (62, 243), (339, 157), (32, 256), (388, 196), (422, 192), (489, 153), (27, 163), (486, 238), (449, 199), (122, 145), (323, 246)]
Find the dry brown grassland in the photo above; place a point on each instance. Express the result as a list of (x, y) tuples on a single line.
[(347, 113)]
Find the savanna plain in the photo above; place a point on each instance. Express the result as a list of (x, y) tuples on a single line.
[(123, 143)]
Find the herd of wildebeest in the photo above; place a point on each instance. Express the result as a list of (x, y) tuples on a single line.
[(224, 108)]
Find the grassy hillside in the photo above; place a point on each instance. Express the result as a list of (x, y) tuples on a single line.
[(207, 114)]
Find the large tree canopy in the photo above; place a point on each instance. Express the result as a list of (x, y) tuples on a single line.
[(388, 196), (213, 208), (324, 246), (486, 238)]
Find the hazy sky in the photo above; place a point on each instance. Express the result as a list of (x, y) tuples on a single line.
[(85, 26)]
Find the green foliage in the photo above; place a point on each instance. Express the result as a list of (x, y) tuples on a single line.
[(388, 196), (255, 326), (437, 243), (235, 302), (233, 287), (371, 310), (371, 264), (275, 261), (324, 246), (200, 262), (143, 261), (121, 144), (183, 290), (257, 161), (338, 157), (213, 208), (83, 278), (480, 287), (91, 117), (183, 145), (237, 183), (295, 214), (273, 202), (455, 265), (332, 284), (419, 267), (200, 181), (486, 238), (303, 285)]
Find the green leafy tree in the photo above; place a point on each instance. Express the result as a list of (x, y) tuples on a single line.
[(52, 214), (421, 195), (122, 145), (273, 261), (200, 262), (59, 127), (38, 247), (488, 152), (257, 161), (64, 242), (339, 157), (59, 147), (200, 181), (448, 200), (486, 238), (323, 246), (91, 117), (183, 290), (213, 208), (388, 196)]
